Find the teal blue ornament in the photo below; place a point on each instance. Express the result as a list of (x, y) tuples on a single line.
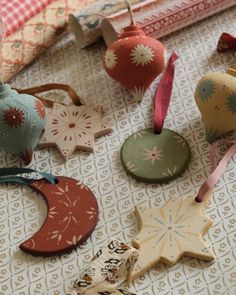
[(22, 120)]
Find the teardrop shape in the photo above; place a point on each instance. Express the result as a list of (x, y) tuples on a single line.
[(135, 60)]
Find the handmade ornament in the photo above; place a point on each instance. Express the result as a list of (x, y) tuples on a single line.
[(22, 119), (72, 212), (107, 271), (156, 155), (176, 230), (226, 43), (70, 127), (135, 60), (215, 96)]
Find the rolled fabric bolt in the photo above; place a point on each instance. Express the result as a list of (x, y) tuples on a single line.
[(108, 269), (86, 25), (160, 18)]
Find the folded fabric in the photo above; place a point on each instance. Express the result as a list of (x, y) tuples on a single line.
[(86, 25), (156, 17), (37, 34), (16, 12), (108, 270)]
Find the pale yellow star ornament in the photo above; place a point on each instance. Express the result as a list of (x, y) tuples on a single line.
[(168, 233)]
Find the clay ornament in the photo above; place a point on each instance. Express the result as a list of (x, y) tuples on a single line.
[(215, 96), (22, 120), (176, 230), (73, 127), (156, 155), (226, 43), (135, 60), (72, 212), (70, 127)]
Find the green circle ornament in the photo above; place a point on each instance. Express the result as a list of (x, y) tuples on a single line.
[(155, 158)]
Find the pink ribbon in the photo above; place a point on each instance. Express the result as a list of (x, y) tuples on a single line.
[(163, 94), (218, 170)]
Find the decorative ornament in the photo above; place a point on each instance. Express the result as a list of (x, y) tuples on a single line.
[(176, 230), (73, 127), (22, 120), (108, 269), (226, 43), (70, 127), (215, 96), (135, 60), (156, 155), (72, 212)]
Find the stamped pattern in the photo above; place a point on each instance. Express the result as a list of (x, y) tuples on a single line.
[(22, 213)]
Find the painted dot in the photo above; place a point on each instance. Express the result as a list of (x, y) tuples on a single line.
[(72, 125)]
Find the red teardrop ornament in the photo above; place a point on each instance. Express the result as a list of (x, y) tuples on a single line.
[(135, 60)]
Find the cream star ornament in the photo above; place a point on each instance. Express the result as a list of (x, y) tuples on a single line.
[(169, 233), (73, 127)]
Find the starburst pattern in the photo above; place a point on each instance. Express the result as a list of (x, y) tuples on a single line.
[(153, 155), (206, 89), (13, 117), (71, 127), (40, 109), (231, 103), (137, 92), (170, 232), (131, 167), (110, 59), (142, 55)]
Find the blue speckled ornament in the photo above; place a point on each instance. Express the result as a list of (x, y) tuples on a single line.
[(22, 120)]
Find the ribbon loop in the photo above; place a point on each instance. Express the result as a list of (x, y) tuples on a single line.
[(163, 94), (9, 175), (217, 170), (53, 86)]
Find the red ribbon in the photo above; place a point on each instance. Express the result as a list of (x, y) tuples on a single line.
[(163, 94), (226, 43)]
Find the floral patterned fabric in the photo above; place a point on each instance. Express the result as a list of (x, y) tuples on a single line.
[(38, 33)]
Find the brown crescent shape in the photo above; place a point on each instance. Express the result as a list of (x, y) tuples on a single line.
[(71, 218)]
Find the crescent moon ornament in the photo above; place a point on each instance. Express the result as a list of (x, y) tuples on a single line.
[(71, 218)]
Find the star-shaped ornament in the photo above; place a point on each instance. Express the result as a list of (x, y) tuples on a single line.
[(71, 127), (169, 233)]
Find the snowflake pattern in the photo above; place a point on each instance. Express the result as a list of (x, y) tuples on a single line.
[(142, 55), (170, 232), (110, 59), (13, 117), (152, 155)]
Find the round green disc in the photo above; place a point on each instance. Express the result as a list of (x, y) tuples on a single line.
[(155, 158)]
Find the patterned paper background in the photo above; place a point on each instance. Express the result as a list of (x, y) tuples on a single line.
[(22, 211)]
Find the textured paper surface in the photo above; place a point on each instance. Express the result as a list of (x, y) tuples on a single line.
[(22, 211)]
